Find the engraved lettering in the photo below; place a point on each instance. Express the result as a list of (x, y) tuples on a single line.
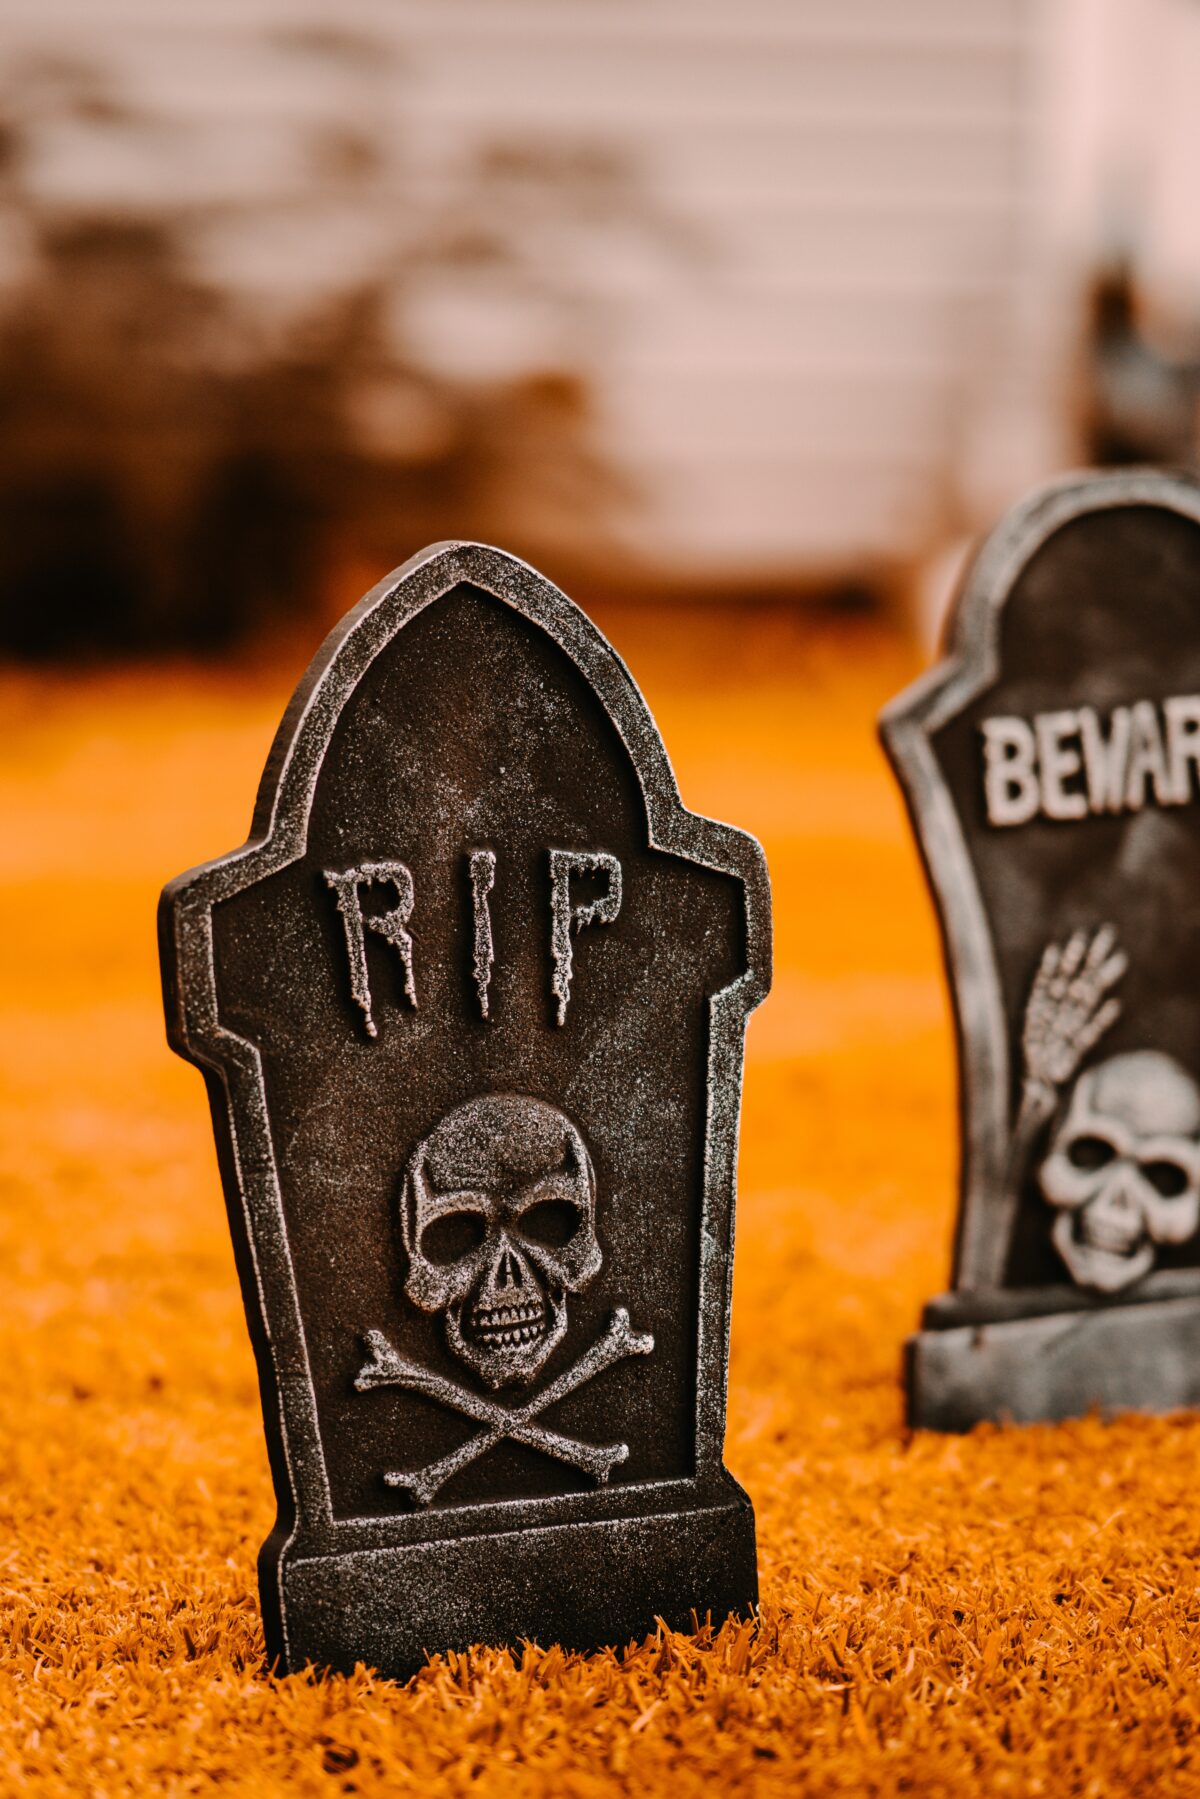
[(482, 867), (1183, 744), (1144, 753), (1009, 776), (1059, 761), (391, 926), (1145, 758), (1105, 758), (565, 918)]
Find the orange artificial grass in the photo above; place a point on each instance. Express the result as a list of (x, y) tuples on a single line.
[(1013, 1612)]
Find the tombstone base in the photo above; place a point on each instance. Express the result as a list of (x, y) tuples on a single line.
[(1139, 1356), (583, 1584)]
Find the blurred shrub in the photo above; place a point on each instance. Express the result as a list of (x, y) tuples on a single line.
[(175, 474)]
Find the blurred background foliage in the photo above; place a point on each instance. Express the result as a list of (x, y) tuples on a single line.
[(177, 470), (789, 302)]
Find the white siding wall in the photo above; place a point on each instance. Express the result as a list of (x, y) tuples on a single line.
[(804, 363)]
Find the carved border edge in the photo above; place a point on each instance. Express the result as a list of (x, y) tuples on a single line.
[(906, 725), (232, 1065)]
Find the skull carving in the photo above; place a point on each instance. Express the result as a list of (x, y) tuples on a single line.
[(499, 1220), (1123, 1172)]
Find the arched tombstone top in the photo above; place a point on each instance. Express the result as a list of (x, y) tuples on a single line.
[(472, 892), (1051, 763)]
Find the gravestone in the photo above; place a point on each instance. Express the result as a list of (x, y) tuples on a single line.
[(470, 1005), (1052, 767)]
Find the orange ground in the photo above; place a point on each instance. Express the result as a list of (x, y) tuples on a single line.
[(1015, 1612)]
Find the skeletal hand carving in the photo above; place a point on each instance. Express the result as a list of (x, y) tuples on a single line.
[(1071, 1006)]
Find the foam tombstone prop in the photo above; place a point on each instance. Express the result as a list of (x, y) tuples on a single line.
[(1052, 767), (470, 1005)]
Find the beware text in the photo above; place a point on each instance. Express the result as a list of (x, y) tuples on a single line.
[(1076, 763)]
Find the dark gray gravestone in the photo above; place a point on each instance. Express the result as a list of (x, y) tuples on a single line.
[(470, 1006), (1052, 767)]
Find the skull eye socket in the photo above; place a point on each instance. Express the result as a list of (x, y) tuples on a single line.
[(1090, 1153), (552, 1223), (1168, 1179), (448, 1239)]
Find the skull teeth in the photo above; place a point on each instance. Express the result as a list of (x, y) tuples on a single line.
[(1105, 1234), (525, 1333), (508, 1327)]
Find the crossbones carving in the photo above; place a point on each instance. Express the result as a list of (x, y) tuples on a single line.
[(388, 1369)]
